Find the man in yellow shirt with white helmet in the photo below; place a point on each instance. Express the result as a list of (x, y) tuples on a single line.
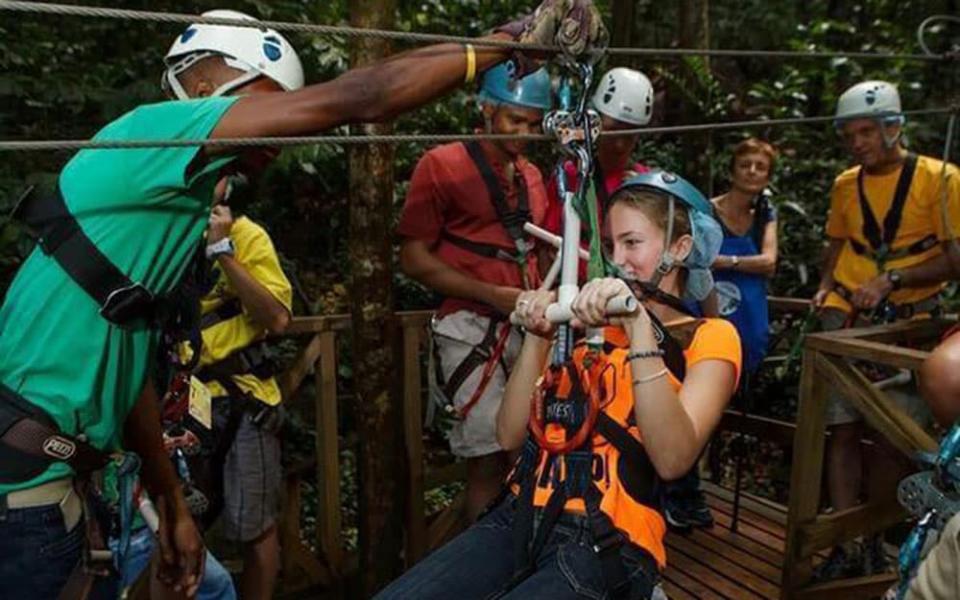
[(889, 233)]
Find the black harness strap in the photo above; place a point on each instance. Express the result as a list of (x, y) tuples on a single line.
[(918, 247), (24, 429), (881, 241), (255, 359), (477, 357), (122, 301), (511, 219), (226, 311), (635, 470), (481, 248)]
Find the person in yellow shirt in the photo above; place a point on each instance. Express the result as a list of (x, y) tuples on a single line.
[(888, 257), (250, 298)]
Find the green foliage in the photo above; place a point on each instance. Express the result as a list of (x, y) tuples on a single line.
[(65, 77)]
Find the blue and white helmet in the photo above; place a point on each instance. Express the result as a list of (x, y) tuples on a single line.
[(256, 51), (705, 230), (878, 100)]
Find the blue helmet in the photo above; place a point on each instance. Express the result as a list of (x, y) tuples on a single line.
[(706, 232), (674, 185), (500, 86)]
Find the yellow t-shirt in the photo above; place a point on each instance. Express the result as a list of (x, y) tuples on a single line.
[(253, 250), (923, 215)]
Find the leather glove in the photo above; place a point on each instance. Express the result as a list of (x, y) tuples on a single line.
[(573, 25)]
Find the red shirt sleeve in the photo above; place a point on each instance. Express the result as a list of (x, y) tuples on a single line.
[(551, 218), (422, 214)]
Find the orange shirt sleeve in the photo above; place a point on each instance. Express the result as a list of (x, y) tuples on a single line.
[(423, 209), (716, 339)]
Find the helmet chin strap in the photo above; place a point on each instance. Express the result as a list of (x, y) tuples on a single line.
[(891, 140), (171, 77), (667, 260)]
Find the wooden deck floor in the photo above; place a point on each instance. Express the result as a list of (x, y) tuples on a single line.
[(718, 564)]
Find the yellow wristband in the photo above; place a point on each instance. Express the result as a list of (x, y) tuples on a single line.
[(471, 63)]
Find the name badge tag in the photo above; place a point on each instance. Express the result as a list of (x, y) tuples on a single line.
[(201, 403)]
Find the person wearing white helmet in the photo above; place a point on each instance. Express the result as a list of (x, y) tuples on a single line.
[(462, 236), (253, 52), (81, 321), (888, 258), (625, 99)]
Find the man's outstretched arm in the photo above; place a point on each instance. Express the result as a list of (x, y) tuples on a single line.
[(378, 92), (382, 91)]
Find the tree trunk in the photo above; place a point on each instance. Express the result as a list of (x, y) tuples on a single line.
[(694, 19), (624, 17), (375, 336)]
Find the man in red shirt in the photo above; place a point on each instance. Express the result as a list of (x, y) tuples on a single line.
[(462, 236), (624, 99)]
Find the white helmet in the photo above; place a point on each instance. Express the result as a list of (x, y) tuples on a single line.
[(625, 95), (255, 51), (869, 99), (878, 100)]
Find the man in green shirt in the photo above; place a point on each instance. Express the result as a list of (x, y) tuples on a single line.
[(145, 211)]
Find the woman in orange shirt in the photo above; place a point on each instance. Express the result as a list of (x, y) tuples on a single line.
[(580, 515)]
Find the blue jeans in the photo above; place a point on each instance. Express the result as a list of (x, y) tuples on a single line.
[(37, 555), (216, 583), (480, 562)]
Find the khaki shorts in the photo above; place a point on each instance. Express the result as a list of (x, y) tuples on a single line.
[(252, 478), (906, 396), (454, 336)]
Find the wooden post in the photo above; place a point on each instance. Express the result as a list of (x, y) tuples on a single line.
[(413, 436), (806, 473), (378, 417), (328, 456)]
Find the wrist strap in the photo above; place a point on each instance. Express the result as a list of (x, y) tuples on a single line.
[(657, 353), (652, 377), (471, 63)]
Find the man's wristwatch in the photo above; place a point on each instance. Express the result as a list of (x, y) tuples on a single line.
[(734, 261), (219, 248), (895, 278)]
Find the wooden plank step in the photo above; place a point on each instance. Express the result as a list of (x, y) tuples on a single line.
[(678, 580), (727, 567), (731, 550), (748, 530), (723, 511), (764, 507), (770, 556), (718, 583), (677, 593), (746, 516)]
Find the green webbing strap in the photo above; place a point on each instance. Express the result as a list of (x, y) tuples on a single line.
[(596, 267)]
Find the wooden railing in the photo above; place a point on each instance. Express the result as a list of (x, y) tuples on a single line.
[(825, 363), (301, 568), (318, 358)]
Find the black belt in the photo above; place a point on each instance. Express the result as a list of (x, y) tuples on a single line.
[(903, 310)]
